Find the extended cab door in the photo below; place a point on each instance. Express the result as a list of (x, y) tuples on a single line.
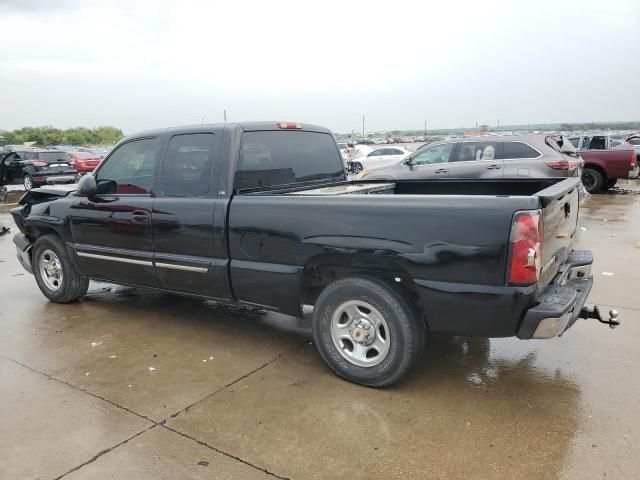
[(188, 253), (431, 162), (477, 160), (111, 230)]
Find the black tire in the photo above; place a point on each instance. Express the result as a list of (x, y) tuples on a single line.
[(592, 180), (73, 284), (357, 168), (28, 182), (406, 329), (611, 183)]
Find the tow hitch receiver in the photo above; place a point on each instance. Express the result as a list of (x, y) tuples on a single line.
[(594, 312)]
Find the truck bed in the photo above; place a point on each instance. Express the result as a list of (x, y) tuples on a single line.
[(446, 242)]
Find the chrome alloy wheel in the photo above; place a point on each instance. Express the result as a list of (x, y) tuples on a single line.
[(360, 333), (50, 270)]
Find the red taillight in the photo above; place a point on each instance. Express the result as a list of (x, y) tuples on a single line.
[(37, 163), (563, 164), (632, 160), (289, 125), (525, 248)]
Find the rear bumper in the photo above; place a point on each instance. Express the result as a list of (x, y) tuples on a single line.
[(53, 179), (61, 179), (560, 304)]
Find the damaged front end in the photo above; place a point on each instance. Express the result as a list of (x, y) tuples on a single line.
[(33, 213)]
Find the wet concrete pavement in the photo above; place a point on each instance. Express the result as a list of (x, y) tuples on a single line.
[(129, 384)]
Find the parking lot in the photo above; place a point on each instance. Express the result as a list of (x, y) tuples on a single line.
[(133, 384)]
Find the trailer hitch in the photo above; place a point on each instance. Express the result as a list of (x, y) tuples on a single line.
[(594, 312)]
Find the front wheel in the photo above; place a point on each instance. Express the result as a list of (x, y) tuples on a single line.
[(367, 331), (357, 167), (592, 180), (55, 274)]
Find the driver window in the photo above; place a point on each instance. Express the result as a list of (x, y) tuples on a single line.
[(377, 153), (129, 170), (433, 154)]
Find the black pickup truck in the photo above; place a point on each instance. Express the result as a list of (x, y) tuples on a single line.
[(261, 214)]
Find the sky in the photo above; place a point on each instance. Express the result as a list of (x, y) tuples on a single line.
[(156, 63)]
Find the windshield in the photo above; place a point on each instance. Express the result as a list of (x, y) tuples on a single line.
[(279, 158), (53, 157)]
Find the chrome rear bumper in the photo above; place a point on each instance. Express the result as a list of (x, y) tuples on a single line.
[(562, 302)]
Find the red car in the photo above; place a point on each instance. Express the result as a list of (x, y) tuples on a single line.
[(84, 162)]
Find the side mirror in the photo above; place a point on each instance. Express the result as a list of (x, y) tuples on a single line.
[(87, 186)]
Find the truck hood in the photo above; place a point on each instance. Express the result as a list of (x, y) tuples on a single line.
[(38, 195)]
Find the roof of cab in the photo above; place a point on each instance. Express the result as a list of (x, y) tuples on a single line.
[(245, 126)]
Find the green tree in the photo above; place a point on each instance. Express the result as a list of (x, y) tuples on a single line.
[(80, 136)]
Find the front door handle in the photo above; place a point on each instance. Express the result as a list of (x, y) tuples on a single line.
[(442, 170), (140, 216), (494, 166)]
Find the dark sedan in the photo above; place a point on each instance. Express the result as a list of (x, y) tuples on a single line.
[(34, 168)]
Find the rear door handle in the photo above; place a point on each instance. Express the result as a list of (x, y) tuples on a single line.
[(442, 170), (140, 216), (494, 167)]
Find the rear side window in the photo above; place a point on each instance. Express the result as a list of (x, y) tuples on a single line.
[(129, 169), (186, 170), (470, 151), (53, 157), (519, 150), (598, 143), (378, 153), (279, 158)]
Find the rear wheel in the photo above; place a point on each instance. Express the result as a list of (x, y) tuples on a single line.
[(592, 180), (367, 331), (28, 182), (55, 274)]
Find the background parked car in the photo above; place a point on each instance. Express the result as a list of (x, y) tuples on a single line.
[(596, 142), (633, 141), (380, 157), (34, 168), (603, 168), (84, 162), (490, 157), (606, 159)]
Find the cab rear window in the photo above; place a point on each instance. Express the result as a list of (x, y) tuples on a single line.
[(285, 158)]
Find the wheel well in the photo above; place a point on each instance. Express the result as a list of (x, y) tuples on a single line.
[(598, 168), (37, 232), (324, 269)]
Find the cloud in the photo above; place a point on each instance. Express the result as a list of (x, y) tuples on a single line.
[(149, 63)]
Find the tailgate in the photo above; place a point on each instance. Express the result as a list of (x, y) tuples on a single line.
[(559, 204)]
